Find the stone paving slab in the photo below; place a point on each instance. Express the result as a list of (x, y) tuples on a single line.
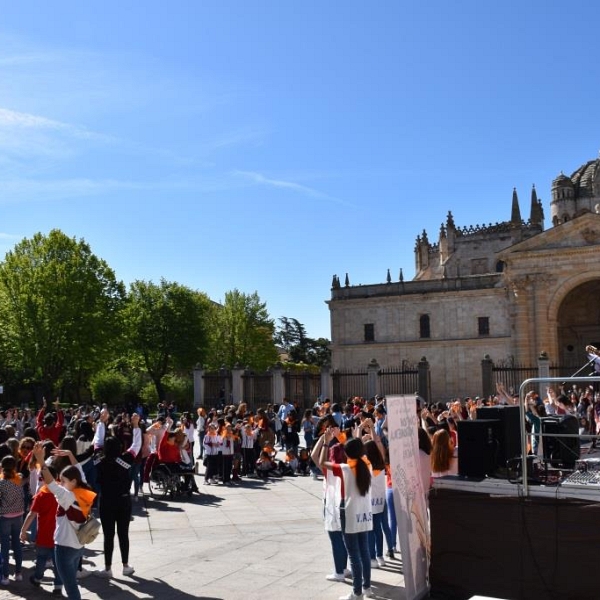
[(253, 541)]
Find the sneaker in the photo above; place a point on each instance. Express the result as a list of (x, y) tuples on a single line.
[(390, 554), (335, 577), (381, 561), (128, 570), (34, 581), (18, 576), (368, 592), (106, 573), (83, 573), (352, 596), (347, 573), (4, 581), (206, 482), (57, 592), (374, 564)]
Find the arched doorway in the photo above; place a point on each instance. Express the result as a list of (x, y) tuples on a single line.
[(579, 324)]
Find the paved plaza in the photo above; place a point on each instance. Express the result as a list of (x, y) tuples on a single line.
[(254, 541)]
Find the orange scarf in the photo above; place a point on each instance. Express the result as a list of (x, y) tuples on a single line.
[(352, 462), (43, 490), (85, 499), (341, 437)]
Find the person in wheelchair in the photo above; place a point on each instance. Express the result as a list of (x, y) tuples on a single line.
[(169, 454)]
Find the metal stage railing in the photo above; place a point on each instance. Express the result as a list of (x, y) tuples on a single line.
[(522, 391)]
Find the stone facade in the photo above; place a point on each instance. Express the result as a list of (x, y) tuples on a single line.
[(509, 290)]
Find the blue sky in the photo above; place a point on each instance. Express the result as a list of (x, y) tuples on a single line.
[(266, 145)]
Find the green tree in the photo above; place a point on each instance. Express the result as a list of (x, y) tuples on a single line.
[(167, 328), (291, 336), (108, 387), (59, 310), (243, 333)]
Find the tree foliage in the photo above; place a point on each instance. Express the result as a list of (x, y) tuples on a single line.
[(167, 328), (59, 309), (243, 333), (291, 336)]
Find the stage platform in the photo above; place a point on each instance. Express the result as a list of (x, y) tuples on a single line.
[(487, 538)]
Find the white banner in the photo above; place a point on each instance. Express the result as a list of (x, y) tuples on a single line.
[(409, 497)]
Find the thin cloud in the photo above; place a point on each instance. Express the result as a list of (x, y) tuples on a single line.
[(27, 58), (20, 190), (15, 119), (260, 179)]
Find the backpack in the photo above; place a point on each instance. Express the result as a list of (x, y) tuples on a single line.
[(88, 531)]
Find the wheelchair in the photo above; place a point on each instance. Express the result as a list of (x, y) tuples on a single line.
[(164, 482)]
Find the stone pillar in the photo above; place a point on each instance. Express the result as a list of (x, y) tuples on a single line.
[(326, 383), (198, 386), (487, 379), (424, 380), (237, 384), (277, 384), (543, 372), (372, 378)]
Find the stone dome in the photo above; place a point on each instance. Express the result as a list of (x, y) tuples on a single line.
[(583, 179), (562, 181)]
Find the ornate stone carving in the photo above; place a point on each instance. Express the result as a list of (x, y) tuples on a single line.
[(591, 236)]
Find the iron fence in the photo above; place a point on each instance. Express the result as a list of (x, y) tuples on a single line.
[(347, 384), (257, 389), (401, 381), (302, 389)]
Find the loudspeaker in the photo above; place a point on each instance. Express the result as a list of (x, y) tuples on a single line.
[(477, 447), (561, 451), (509, 434)]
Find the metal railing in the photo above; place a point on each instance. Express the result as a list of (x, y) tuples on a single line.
[(525, 385)]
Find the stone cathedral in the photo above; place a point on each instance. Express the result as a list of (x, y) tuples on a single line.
[(510, 290)]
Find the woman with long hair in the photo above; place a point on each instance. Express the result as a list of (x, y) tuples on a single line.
[(381, 525), (12, 507), (201, 429), (75, 499), (356, 516), (332, 498), (114, 479), (443, 461), (308, 428)]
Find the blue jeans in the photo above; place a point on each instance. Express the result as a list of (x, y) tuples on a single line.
[(381, 527), (389, 500), (357, 545), (41, 557), (136, 476), (67, 560), (340, 554), (10, 529), (308, 438)]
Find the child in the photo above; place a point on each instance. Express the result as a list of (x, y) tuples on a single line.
[(43, 508), (265, 465), (249, 436), (12, 507), (290, 465), (303, 462)]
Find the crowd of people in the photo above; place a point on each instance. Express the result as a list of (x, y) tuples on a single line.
[(58, 466)]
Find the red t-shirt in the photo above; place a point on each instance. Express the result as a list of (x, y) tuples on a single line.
[(45, 505), (168, 453)]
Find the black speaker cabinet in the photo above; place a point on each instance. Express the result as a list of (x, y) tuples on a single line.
[(477, 447), (509, 434), (561, 451)]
